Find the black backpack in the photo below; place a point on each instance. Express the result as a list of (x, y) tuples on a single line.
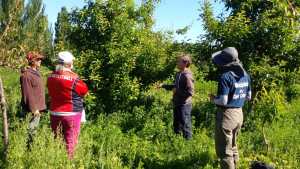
[(260, 165)]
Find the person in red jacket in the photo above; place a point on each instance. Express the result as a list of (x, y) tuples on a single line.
[(66, 92)]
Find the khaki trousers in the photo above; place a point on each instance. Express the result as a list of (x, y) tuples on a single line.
[(228, 124)]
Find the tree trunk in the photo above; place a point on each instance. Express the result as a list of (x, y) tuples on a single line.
[(4, 115)]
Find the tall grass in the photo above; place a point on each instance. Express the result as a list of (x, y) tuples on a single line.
[(144, 139)]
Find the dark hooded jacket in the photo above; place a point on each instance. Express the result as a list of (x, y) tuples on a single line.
[(33, 91), (184, 85)]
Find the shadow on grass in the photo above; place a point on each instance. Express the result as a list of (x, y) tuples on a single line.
[(197, 161)]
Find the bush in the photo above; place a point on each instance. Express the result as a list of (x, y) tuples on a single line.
[(293, 92), (119, 55), (143, 137)]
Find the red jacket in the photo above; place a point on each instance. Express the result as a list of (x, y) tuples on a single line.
[(66, 91)]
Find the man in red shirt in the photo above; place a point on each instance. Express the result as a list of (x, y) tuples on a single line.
[(66, 92)]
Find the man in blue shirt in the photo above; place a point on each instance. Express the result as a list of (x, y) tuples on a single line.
[(233, 90)]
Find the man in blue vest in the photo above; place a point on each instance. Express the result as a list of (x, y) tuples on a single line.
[(233, 90)]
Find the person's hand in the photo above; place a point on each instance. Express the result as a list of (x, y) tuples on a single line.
[(36, 113), (211, 97)]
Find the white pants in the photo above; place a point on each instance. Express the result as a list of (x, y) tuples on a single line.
[(83, 119)]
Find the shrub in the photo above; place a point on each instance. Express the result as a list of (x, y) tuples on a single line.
[(293, 92)]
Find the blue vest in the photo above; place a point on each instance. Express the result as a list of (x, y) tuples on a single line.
[(236, 87)]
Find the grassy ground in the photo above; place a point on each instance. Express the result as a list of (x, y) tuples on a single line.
[(144, 138)]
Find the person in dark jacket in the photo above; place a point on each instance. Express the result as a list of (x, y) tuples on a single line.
[(233, 89), (183, 90), (33, 92)]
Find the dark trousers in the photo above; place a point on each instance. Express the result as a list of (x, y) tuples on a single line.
[(182, 121)]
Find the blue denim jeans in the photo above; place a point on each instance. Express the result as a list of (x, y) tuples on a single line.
[(182, 121)]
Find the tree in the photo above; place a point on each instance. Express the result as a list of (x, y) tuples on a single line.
[(23, 28), (264, 32), (10, 14), (62, 28), (36, 33), (119, 54)]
